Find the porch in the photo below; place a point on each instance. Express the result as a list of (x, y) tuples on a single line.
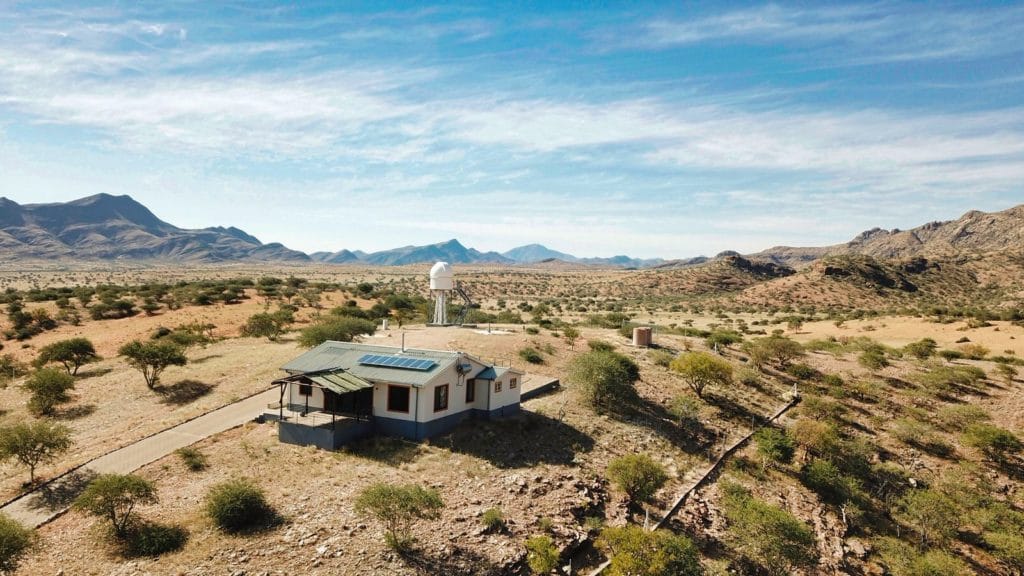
[(342, 412)]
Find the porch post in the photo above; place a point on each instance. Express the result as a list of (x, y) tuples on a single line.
[(280, 403)]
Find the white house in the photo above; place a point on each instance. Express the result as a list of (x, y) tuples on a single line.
[(340, 391)]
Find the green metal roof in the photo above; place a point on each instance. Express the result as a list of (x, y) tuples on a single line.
[(337, 381), (340, 382), (331, 356)]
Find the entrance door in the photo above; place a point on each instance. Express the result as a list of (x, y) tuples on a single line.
[(331, 403)]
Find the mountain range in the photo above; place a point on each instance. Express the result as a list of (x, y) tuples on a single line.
[(105, 227)]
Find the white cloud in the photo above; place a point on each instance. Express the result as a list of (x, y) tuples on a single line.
[(856, 33)]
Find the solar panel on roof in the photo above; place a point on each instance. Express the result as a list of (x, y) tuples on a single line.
[(397, 362)]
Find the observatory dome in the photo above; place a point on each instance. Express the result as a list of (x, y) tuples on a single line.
[(442, 277)]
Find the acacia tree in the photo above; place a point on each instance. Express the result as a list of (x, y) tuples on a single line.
[(152, 358), (114, 497), (34, 443), (701, 369), (72, 353), (398, 507)]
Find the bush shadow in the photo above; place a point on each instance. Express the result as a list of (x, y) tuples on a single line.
[(385, 449), (93, 373), (205, 358), (61, 492), (692, 439), (75, 412), (184, 392), (527, 439), (457, 561)]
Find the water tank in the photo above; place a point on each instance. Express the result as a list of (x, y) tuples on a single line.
[(643, 336), (442, 277)]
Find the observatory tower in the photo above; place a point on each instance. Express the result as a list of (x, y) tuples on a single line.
[(442, 282), (442, 285)]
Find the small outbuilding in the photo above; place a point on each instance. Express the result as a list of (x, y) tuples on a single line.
[(341, 391)]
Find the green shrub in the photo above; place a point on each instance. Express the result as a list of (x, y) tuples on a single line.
[(933, 515), (774, 446), (996, 443), (960, 416), (397, 507), (660, 358), (533, 330), (700, 370), (531, 355), (194, 459), (49, 387), (637, 475), (801, 371), (765, 534), (686, 410), (541, 554), (905, 560), (15, 541), (238, 505), (922, 349), (604, 380), (748, 377), (723, 338), (600, 346), (829, 482), (634, 551), (820, 408), (493, 520), (873, 359), (338, 328)]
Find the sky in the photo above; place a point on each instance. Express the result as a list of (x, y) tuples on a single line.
[(596, 128)]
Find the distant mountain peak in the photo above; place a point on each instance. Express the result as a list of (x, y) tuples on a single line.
[(105, 227)]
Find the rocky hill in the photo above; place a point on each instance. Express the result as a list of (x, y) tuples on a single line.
[(105, 227), (973, 233)]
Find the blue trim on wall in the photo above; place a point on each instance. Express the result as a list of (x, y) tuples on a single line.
[(328, 439), (322, 436)]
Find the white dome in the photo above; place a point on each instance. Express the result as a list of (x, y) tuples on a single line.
[(442, 277)]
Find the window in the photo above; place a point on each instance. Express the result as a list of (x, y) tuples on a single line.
[(398, 399), (441, 398), (497, 386), (470, 390), (305, 390), (512, 383)]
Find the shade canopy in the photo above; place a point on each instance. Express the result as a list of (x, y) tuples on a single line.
[(337, 381)]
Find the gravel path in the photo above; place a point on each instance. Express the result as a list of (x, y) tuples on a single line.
[(50, 500)]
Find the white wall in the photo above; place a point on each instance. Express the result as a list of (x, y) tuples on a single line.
[(316, 400)]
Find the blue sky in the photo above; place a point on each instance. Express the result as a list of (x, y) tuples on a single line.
[(651, 129)]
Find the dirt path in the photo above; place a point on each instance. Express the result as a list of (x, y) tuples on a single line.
[(50, 500)]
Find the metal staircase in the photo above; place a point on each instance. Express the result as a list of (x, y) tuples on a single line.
[(466, 305)]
